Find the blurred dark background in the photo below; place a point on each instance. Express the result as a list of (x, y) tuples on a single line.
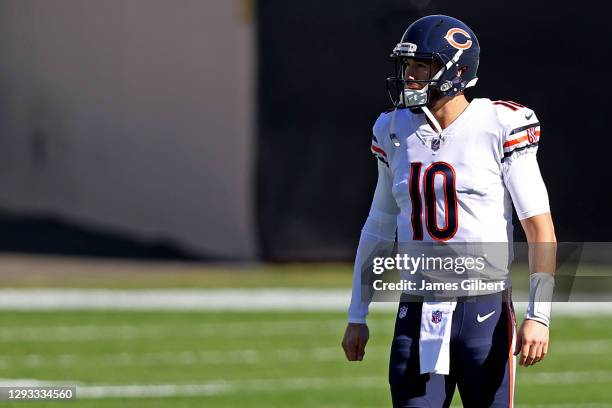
[(156, 154), (322, 67)]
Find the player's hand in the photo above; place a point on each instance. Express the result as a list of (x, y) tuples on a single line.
[(355, 338), (532, 342)]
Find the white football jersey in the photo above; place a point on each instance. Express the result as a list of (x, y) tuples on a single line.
[(460, 187)]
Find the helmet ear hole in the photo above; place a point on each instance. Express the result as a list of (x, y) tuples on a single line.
[(461, 70)]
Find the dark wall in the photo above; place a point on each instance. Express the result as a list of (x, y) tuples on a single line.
[(322, 66)]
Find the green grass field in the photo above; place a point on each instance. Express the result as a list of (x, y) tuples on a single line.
[(259, 359), (271, 359)]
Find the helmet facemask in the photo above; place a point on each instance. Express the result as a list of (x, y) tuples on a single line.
[(404, 97)]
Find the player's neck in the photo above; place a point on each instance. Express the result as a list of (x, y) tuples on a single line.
[(448, 109)]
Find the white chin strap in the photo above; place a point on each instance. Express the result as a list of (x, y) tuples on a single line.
[(416, 97), (429, 115), (432, 119)]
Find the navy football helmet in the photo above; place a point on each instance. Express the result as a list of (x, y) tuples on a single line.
[(446, 40)]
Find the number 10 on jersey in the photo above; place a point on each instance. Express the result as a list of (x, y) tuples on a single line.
[(446, 172)]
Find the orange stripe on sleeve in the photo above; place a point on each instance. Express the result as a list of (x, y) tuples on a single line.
[(519, 140)]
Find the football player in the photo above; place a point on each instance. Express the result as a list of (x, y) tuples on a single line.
[(450, 170)]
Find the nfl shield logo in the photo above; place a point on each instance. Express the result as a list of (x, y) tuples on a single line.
[(435, 144), (402, 312), (436, 316)]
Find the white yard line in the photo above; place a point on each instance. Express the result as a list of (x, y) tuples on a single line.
[(253, 357), (220, 387), (208, 330), (280, 328), (174, 299), (185, 357), (599, 346), (217, 300), (217, 387), (564, 377)]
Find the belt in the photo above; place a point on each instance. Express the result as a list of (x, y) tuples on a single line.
[(407, 297)]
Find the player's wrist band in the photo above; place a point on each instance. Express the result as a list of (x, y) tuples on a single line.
[(541, 286)]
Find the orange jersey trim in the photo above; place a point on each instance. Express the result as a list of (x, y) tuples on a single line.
[(520, 140)]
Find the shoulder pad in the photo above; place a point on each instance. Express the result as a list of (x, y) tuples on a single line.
[(513, 115)]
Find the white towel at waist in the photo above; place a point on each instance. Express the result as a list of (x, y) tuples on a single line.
[(434, 339)]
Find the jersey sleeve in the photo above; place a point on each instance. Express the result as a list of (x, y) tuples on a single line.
[(383, 200), (520, 170), (378, 147), (520, 130), (377, 235)]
